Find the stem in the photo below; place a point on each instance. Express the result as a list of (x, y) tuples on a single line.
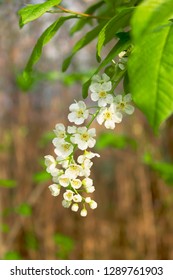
[(93, 118), (79, 13)]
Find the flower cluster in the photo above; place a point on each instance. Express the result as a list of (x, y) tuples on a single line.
[(68, 173), (111, 107), (71, 172)]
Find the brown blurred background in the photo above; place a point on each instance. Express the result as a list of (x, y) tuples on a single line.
[(135, 207)]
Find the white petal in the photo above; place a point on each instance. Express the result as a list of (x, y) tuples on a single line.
[(109, 98), (107, 86), (129, 109), (105, 77), (72, 117), (73, 107), (95, 87), (96, 78), (94, 96), (128, 97), (117, 117), (71, 129), (92, 132), (102, 102), (109, 124), (118, 98)]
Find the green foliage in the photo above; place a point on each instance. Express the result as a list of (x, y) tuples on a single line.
[(122, 44), (82, 21), (150, 65), (40, 177), (163, 169), (32, 12), (64, 244), (110, 29), (85, 40), (26, 77), (150, 42), (24, 209), (112, 140), (4, 228), (12, 255), (31, 241), (7, 183)]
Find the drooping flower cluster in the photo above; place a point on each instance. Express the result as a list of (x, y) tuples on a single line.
[(71, 173)]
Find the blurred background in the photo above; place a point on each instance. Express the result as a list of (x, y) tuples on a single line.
[(133, 177)]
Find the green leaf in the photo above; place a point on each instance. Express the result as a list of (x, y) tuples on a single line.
[(41, 177), (82, 21), (4, 228), (43, 40), (7, 183), (110, 29), (24, 209), (88, 37), (107, 139), (32, 12), (65, 245), (121, 45), (150, 65), (163, 169), (12, 255)]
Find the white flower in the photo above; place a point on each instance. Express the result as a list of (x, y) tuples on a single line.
[(63, 149), (86, 166), (84, 138), (88, 155), (55, 189), (88, 184), (88, 199), (79, 113), (50, 162), (101, 79), (93, 204), (64, 162), (83, 212), (76, 183), (121, 103), (90, 189), (64, 180), (68, 195), (109, 116), (77, 198), (66, 204), (73, 171), (55, 172), (71, 129), (99, 90), (60, 132), (75, 207)]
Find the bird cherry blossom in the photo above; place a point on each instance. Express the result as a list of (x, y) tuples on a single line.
[(70, 172), (109, 116), (122, 103), (79, 113)]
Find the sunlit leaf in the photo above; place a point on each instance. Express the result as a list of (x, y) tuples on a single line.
[(110, 29), (150, 65), (85, 40), (32, 12)]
